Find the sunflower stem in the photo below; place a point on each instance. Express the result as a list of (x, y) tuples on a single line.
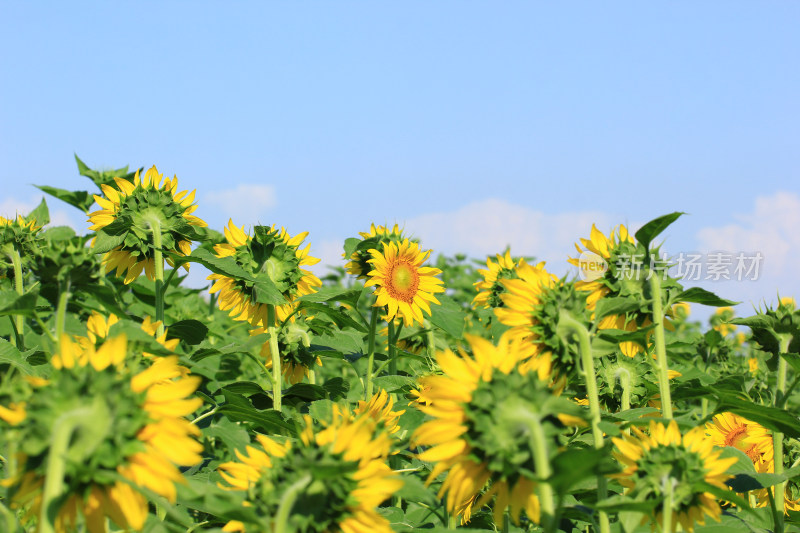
[(666, 511), (777, 438), (430, 338), (18, 320), (287, 502), (61, 311), (587, 362), (373, 324), (661, 350), (158, 260), (390, 341), (63, 428), (625, 399), (276, 358), (541, 459)]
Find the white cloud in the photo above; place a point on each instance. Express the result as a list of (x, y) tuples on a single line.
[(486, 227), (10, 207), (771, 229), (246, 203)]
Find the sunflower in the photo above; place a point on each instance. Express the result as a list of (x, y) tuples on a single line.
[(720, 320), (624, 276), (404, 286), (130, 214), (728, 429), (532, 304), (352, 447), (98, 327), (270, 255), (359, 260), (662, 458), (294, 347), (491, 289), (133, 435), (20, 236), (482, 407), (380, 408)]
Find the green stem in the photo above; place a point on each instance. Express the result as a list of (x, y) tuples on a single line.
[(287, 502), (777, 438), (390, 341), (542, 461), (587, 361), (61, 311), (19, 320), (64, 427), (625, 400), (276, 359), (430, 338), (373, 324), (666, 510), (158, 260), (205, 415), (45, 328), (661, 350)]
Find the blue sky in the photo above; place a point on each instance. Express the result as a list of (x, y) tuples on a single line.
[(475, 124)]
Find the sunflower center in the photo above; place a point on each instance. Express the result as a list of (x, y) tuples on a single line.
[(403, 281), (736, 434)]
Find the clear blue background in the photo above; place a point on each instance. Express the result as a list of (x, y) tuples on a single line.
[(354, 112)]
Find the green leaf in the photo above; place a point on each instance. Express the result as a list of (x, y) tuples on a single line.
[(449, 316), (12, 304), (265, 292), (190, 331), (337, 315), (11, 355), (348, 295), (704, 297), (305, 392), (219, 265), (614, 306), (652, 229), (393, 383), (105, 242), (336, 388), (321, 410), (83, 200), (41, 215), (576, 464), (239, 409)]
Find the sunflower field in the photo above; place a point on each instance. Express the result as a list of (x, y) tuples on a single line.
[(400, 391)]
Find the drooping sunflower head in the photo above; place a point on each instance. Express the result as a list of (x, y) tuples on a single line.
[(482, 407), (294, 346), (115, 422), (22, 236), (533, 303), (491, 288), (373, 240), (132, 212), (663, 458), (337, 469), (269, 258), (618, 375), (403, 285)]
